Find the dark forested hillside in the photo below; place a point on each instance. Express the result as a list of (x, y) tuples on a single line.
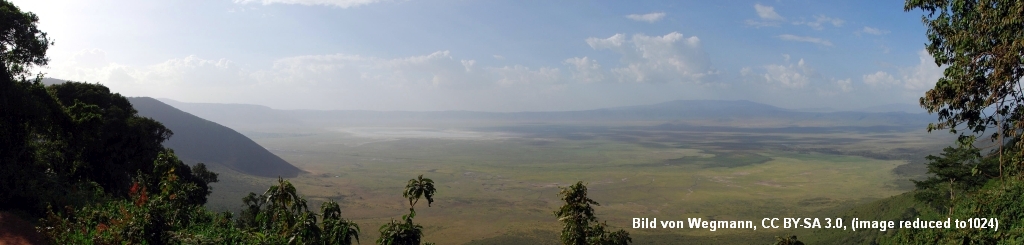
[(198, 140)]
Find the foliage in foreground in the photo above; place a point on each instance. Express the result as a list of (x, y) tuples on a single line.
[(789, 240), (579, 224), (980, 44), (280, 215), (405, 232), (1000, 200), (166, 214)]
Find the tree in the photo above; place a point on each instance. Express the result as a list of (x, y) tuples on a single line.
[(995, 200), (285, 213), (405, 231), (251, 210), (280, 215), (112, 142), (337, 230), (61, 136), (419, 187), (956, 170), (579, 224), (161, 215), (25, 109), (576, 215), (56, 139), (305, 230), (599, 235), (22, 44), (981, 45), (202, 177)]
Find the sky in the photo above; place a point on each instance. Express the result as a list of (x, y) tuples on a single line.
[(491, 55)]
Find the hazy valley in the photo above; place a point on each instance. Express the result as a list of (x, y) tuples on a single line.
[(498, 173)]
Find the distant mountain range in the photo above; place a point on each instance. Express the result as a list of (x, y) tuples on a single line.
[(199, 140), (719, 113), (909, 108), (237, 116), (897, 107)]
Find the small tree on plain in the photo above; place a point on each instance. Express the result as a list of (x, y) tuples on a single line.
[(579, 224)]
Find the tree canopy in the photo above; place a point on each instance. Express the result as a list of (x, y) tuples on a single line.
[(405, 231), (22, 44), (579, 224), (981, 45)]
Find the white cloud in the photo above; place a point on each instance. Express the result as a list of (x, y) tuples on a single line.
[(791, 76), (668, 58), (468, 64), (767, 12), (746, 71), (845, 85), (336, 3), (193, 70), (522, 75), (613, 42), (923, 76), (768, 17), (649, 17), (319, 77), (820, 20), (585, 70), (874, 31), (880, 79), (438, 69), (499, 57), (813, 40), (188, 70), (918, 78), (190, 76)]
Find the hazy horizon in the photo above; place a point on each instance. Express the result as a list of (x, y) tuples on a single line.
[(901, 107), (496, 56)]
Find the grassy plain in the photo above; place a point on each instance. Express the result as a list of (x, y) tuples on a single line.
[(499, 185)]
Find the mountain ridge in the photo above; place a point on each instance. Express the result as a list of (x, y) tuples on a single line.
[(199, 140), (735, 113)]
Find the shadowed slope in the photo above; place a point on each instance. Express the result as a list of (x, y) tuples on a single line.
[(16, 231), (199, 140)]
